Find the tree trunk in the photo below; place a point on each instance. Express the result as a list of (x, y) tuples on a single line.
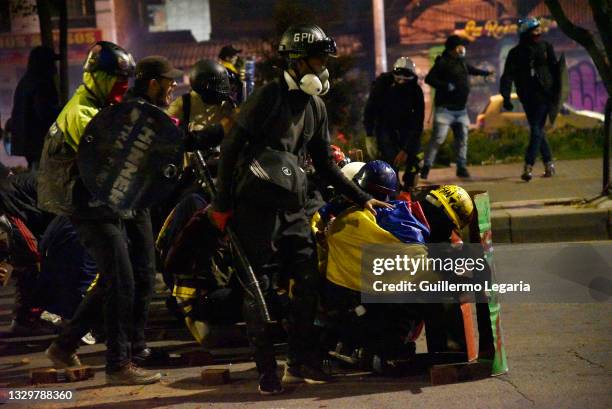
[(63, 46), (602, 13), (43, 9)]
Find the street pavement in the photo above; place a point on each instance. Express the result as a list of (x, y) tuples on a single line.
[(558, 354), (574, 178), (566, 207)]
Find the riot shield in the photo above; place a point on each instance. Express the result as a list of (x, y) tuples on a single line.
[(130, 155), (561, 89)]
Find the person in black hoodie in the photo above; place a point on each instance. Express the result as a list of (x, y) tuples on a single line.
[(35, 105), (450, 78), (531, 66), (394, 113), (285, 119)]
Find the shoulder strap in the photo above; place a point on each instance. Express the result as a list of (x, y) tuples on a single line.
[(186, 111)]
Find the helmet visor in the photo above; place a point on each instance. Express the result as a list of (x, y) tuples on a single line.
[(403, 73), (325, 46)]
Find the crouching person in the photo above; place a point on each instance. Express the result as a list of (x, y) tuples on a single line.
[(386, 330), (374, 329)]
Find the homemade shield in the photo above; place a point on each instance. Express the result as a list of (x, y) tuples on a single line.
[(130, 155), (561, 89)]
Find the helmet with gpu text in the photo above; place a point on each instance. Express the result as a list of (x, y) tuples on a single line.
[(378, 179), (456, 203), (306, 40), (110, 58), (210, 79), (404, 66)]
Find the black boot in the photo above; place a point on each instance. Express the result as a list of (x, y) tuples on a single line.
[(527, 173), (549, 169), (462, 172), (424, 172)]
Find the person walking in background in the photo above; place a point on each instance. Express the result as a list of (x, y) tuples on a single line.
[(449, 76), (531, 66), (35, 105), (394, 115)]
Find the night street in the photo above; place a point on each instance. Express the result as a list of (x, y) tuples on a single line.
[(558, 355)]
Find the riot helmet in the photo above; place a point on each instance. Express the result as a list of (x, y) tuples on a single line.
[(378, 179), (110, 58), (456, 203), (350, 169), (301, 42), (404, 66), (210, 80), (528, 24), (304, 41)]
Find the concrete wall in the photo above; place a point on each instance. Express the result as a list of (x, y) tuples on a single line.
[(191, 15)]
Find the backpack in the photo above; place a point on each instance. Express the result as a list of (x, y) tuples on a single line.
[(275, 179)]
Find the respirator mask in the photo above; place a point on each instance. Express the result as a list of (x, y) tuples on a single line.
[(315, 84)]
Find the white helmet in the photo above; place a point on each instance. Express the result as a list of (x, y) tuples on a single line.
[(404, 66), (350, 169)]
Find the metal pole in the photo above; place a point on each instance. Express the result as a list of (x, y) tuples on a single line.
[(380, 45)]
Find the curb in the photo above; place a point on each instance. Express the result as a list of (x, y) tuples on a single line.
[(541, 224)]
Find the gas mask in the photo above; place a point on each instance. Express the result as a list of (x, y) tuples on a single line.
[(315, 84)]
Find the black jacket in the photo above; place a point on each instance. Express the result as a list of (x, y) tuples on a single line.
[(272, 117), (18, 198), (449, 69), (532, 67), (35, 107), (392, 106)]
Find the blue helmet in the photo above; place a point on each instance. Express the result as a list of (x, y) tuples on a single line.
[(528, 24), (377, 178)]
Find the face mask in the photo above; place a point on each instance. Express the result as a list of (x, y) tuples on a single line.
[(315, 84), (117, 92), (400, 79)]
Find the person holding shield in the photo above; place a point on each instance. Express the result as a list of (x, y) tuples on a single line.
[(531, 66), (121, 243)]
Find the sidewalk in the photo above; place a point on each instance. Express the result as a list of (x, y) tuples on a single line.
[(545, 209)]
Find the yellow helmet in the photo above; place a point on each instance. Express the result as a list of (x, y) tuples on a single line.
[(455, 201)]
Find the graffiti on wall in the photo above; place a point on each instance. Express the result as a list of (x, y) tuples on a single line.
[(587, 91)]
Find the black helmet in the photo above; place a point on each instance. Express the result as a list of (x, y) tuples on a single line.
[(305, 41), (377, 178), (110, 58), (209, 79)]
